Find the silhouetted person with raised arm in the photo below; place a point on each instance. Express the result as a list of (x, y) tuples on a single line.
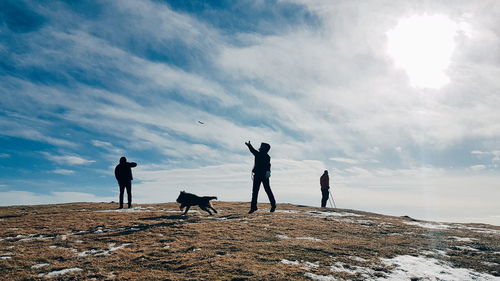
[(324, 181), (261, 174), (123, 174)]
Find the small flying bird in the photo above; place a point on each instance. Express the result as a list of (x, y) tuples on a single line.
[(201, 122)]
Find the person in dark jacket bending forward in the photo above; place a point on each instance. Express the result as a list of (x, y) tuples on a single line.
[(324, 181), (261, 173), (123, 174)]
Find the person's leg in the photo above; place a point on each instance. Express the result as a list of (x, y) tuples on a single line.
[(255, 192), (129, 193), (270, 194), (122, 189), (324, 197)]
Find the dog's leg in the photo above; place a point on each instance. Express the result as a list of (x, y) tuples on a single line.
[(187, 209), (213, 209), (181, 206), (206, 210)]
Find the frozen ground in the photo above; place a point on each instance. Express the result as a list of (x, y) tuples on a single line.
[(89, 241)]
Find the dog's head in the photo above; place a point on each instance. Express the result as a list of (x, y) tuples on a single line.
[(181, 197)]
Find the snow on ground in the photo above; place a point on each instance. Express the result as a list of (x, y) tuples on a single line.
[(319, 277), (427, 225), (480, 230), (333, 214), (320, 214), (304, 264), (288, 211), (102, 252), (462, 239), (60, 272), (280, 236), (466, 248), (355, 258), (352, 269), (40, 265), (422, 268), (127, 210), (28, 237), (405, 268), (5, 258)]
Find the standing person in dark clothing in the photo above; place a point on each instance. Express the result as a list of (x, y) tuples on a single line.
[(123, 174), (261, 174), (324, 181)]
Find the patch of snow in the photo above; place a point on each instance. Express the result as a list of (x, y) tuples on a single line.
[(5, 258), (477, 229), (333, 214), (102, 252), (352, 269), (309, 265), (196, 249), (284, 261), (357, 259), (126, 210), (112, 247), (319, 277), (308, 238), (427, 225), (288, 211), (40, 265), (489, 263), (305, 264), (281, 236), (362, 222), (422, 268), (462, 239), (60, 272), (466, 248)]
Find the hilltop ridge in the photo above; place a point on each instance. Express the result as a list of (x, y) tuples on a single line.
[(155, 242)]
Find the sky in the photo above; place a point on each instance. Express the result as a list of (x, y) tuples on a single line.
[(398, 100)]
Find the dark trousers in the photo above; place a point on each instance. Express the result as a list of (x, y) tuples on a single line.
[(325, 192), (255, 191), (128, 186)]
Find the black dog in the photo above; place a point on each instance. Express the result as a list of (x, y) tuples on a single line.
[(187, 200)]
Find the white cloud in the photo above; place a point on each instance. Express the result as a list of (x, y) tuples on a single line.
[(67, 159), (63, 171), (4, 155), (477, 167)]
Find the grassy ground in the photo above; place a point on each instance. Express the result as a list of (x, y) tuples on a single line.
[(156, 242)]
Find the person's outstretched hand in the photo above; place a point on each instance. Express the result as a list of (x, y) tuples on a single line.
[(248, 143)]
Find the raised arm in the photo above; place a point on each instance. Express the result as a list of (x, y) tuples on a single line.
[(132, 164), (250, 147)]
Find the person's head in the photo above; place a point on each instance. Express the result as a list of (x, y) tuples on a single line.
[(264, 147), (123, 159), (326, 172)]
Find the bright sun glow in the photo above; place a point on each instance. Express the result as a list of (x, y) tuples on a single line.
[(422, 46)]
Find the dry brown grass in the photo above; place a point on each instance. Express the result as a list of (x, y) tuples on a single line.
[(161, 244)]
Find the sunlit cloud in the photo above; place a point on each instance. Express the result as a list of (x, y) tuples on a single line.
[(63, 171), (315, 79), (67, 159)]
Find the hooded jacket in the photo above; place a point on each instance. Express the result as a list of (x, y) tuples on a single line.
[(262, 162), (123, 171)]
